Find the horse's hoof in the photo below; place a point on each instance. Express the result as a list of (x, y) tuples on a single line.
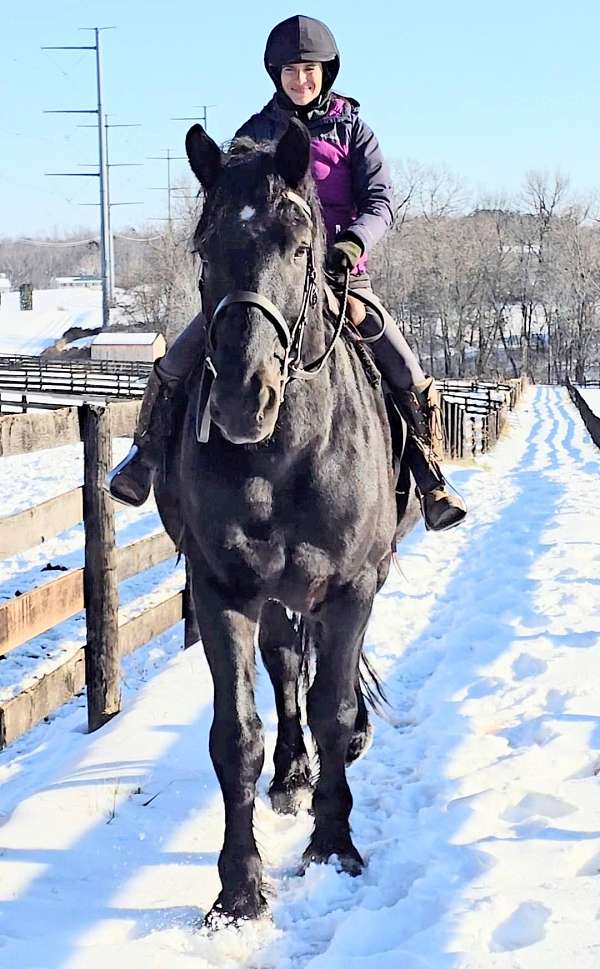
[(349, 861), (234, 912), (291, 800), (360, 743)]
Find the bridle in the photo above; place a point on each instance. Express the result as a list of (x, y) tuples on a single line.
[(290, 337)]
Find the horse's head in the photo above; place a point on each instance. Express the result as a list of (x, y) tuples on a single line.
[(259, 239)]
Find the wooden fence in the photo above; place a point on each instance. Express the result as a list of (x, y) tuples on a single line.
[(61, 380), (95, 587), (590, 419), (474, 413), (29, 362)]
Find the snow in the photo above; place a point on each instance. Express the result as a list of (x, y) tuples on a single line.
[(476, 807), (84, 341), (591, 395), (54, 312)]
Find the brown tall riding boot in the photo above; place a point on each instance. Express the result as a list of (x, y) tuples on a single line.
[(420, 406), (130, 481)]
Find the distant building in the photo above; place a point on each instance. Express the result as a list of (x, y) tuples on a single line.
[(90, 282), (5, 286), (142, 347)]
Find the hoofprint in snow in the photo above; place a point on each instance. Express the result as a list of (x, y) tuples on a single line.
[(476, 808)]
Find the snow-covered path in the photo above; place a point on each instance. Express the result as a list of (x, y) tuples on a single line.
[(477, 807)]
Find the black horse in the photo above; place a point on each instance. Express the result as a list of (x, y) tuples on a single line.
[(287, 513)]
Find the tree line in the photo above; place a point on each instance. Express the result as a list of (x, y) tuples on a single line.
[(481, 287)]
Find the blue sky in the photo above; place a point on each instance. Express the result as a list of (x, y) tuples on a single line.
[(490, 89)]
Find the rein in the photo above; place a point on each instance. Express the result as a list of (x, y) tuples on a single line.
[(291, 338)]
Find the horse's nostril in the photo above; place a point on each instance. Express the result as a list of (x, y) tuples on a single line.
[(268, 402), (271, 400)]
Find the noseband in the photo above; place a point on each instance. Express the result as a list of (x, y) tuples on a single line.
[(291, 338)]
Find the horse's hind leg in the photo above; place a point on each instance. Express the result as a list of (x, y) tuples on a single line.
[(332, 714), (281, 649), (236, 742), (363, 729)]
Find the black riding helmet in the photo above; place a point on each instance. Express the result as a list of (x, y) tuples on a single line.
[(302, 39)]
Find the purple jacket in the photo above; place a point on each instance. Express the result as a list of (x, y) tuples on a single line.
[(351, 176)]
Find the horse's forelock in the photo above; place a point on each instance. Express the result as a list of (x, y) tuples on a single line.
[(247, 168)]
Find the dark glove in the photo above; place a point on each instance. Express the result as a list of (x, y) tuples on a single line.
[(342, 256)]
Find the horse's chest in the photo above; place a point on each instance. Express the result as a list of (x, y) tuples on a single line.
[(281, 535)]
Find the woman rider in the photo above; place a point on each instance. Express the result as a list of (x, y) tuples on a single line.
[(354, 190)]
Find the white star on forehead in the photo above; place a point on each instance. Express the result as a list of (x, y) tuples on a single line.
[(247, 213)]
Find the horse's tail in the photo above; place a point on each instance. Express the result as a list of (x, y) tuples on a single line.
[(369, 682), (372, 687)]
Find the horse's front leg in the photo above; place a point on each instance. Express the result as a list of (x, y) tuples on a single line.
[(280, 645), (236, 742), (332, 715)]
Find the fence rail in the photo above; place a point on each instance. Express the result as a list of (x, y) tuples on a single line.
[(29, 362)]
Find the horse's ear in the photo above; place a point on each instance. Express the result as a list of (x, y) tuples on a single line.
[(292, 155), (204, 156)]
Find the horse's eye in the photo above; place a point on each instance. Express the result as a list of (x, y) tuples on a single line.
[(300, 251)]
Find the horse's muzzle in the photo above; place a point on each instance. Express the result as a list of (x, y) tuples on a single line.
[(245, 418)]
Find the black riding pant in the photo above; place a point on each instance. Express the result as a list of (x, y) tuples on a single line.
[(395, 359)]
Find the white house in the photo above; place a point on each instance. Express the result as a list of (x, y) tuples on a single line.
[(89, 282), (142, 347)]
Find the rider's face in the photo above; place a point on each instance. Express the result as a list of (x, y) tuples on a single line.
[(302, 82)]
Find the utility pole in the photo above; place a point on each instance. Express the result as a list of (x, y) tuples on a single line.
[(101, 174), (169, 189), (203, 115)]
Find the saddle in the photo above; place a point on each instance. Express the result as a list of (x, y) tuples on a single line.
[(358, 304)]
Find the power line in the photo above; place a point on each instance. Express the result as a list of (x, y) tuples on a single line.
[(57, 245), (109, 204), (169, 188), (119, 235)]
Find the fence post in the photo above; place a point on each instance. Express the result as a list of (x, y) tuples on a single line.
[(101, 591)]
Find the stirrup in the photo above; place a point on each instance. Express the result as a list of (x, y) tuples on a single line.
[(453, 514), (111, 482)]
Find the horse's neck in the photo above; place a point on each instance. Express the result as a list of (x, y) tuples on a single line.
[(318, 332)]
